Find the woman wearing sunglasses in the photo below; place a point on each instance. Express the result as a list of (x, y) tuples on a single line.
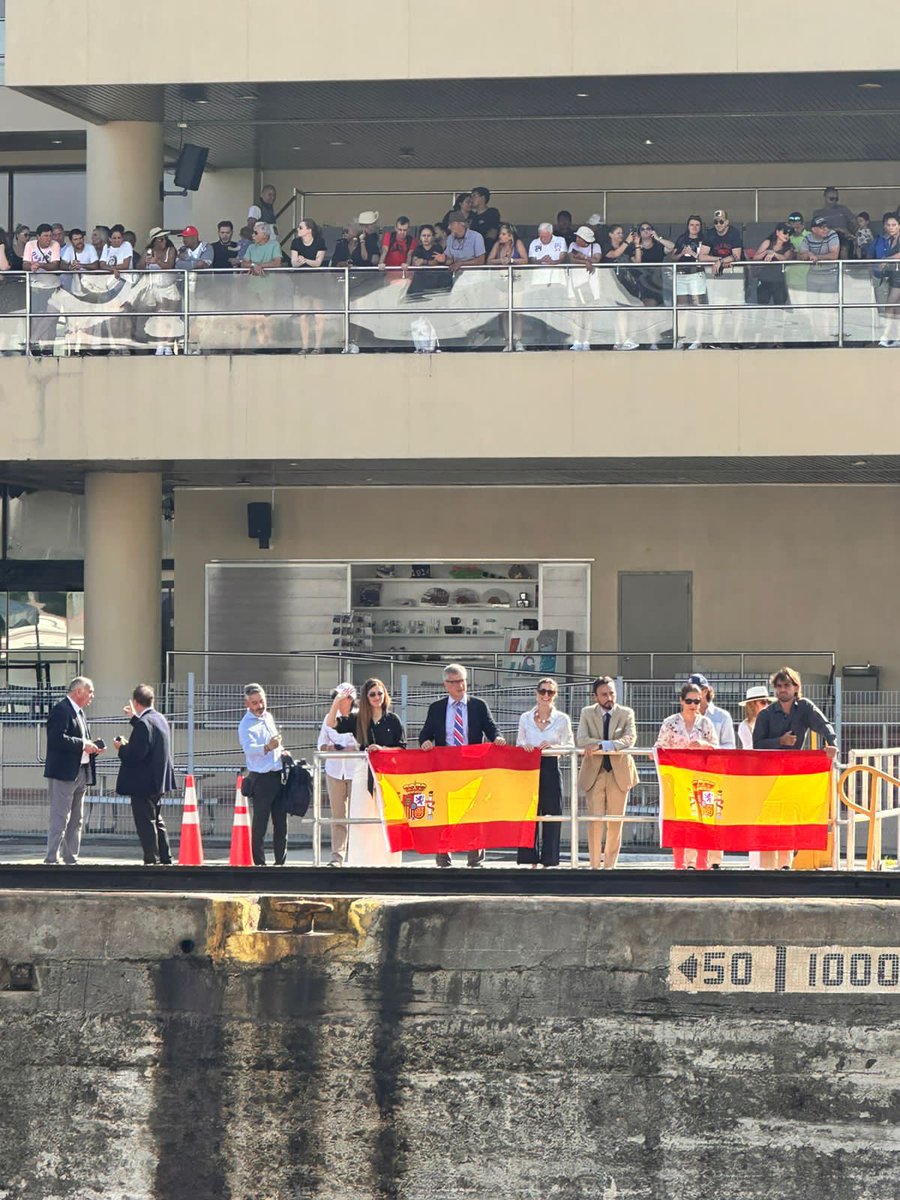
[(688, 730), (377, 728), (540, 728)]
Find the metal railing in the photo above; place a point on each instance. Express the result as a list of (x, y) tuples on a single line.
[(694, 197), (430, 309)]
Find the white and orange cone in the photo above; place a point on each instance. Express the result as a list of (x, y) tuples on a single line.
[(190, 844), (241, 853)]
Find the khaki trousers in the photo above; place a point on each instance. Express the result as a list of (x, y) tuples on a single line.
[(339, 799), (605, 799)]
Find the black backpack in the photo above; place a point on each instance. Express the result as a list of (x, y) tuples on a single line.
[(297, 790)]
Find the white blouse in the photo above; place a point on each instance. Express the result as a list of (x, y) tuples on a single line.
[(745, 735), (558, 732)]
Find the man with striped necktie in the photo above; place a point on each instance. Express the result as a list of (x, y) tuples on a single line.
[(458, 720)]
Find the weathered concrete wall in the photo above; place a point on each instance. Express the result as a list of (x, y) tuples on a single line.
[(201, 1048)]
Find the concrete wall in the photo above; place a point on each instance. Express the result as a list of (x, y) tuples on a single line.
[(231, 47), (181, 1047), (397, 407), (774, 567)]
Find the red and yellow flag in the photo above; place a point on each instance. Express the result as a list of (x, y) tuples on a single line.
[(744, 799), (457, 797)]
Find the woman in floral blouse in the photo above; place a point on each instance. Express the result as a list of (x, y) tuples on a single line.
[(688, 730)]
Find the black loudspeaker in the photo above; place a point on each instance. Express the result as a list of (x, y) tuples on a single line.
[(190, 165), (259, 522)]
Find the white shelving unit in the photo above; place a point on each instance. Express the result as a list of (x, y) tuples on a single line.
[(423, 626)]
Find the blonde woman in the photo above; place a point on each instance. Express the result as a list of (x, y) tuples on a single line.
[(509, 251), (540, 728), (377, 728)]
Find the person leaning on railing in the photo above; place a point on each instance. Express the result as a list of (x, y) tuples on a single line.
[(688, 730), (540, 728), (41, 258), (650, 247), (886, 250), (262, 256), (607, 775), (308, 252), (785, 723)]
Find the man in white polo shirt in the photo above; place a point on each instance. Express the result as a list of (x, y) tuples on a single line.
[(547, 248)]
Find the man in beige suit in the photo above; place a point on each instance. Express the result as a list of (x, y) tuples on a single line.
[(607, 776)]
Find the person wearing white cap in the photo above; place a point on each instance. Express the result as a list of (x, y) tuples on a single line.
[(583, 252), (338, 733), (368, 251)]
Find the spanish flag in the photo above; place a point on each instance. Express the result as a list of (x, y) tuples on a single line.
[(744, 799), (457, 797)]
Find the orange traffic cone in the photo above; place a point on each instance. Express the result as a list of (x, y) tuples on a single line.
[(241, 854), (190, 846)]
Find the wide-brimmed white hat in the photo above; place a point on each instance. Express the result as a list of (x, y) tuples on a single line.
[(758, 691), (369, 217), (585, 233)]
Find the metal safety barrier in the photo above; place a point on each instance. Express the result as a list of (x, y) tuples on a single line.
[(619, 305)]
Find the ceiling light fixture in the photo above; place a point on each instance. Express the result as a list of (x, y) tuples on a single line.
[(249, 96), (335, 143), (869, 85), (582, 95), (182, 124), (648, 142), (296, 147), (56, 141), (861, 462)]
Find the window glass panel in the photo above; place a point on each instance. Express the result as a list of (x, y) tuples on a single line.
[(46, 525), (50, 196)]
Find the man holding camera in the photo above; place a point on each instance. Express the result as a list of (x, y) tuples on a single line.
[(261, 743), (146, 773), (69, 770)]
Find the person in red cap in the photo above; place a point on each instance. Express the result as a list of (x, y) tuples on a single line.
[(193, 255)]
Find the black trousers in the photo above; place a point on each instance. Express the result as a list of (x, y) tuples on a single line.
[(546, 837), (266, 790), (151, 829)]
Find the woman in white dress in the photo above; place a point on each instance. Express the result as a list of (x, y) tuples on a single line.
[(377, 728), (540, 728)]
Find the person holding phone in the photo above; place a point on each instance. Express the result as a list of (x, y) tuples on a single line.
[(146, 773), (263, 752)]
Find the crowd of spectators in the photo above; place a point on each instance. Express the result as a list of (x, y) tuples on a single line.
[(471, 234)]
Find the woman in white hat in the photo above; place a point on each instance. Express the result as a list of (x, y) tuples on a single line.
[(756, 699), (583, 252), (164, 293)]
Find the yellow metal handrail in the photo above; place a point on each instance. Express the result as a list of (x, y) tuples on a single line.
[(871, 812)]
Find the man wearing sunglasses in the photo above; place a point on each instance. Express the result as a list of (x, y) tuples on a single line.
[(726, 246)]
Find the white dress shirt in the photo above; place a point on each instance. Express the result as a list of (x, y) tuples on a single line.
[(558, 732), (338, 768)]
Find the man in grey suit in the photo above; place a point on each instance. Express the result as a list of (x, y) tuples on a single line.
[(605, 729), (69, 769)]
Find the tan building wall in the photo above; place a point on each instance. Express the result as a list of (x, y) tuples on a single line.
[(222, 40), (633, 192), (779, 567), (396, 407)]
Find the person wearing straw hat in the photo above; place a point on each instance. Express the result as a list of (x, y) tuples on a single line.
[(367, 252), (757, 698)]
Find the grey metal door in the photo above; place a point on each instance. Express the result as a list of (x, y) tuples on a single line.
[(655, 614)]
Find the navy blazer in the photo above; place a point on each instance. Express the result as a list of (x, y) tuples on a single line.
[(482, 726), (146, 759), (65, 744)]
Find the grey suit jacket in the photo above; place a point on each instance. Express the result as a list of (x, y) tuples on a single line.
[(621, 733)]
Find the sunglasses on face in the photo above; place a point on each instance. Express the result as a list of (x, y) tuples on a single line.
[(546, 692), (690, 701), (717, 223)]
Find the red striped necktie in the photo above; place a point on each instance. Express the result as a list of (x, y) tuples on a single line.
[(459, 734)]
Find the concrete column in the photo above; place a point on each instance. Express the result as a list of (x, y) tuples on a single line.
[(122, 554), (124, 167)]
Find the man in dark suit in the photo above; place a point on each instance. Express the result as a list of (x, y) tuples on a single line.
[(146, 772), (69, 770), (458, 720)]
